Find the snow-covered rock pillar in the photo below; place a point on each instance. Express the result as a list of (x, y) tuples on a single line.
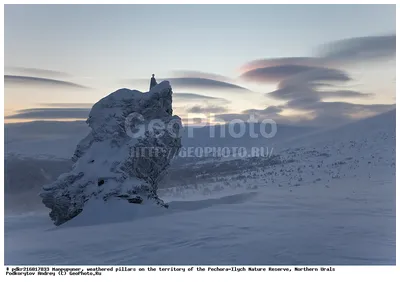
[(134, 137)]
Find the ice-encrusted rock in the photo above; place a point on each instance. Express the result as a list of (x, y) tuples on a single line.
[(134, 136)]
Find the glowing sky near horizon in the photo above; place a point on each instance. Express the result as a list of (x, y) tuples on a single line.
[(104, 46)]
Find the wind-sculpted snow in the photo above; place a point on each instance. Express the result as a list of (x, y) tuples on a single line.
[(132, 141)]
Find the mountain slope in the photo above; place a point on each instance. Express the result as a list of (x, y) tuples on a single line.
[(329, 201)]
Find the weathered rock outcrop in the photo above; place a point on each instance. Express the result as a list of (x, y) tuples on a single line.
[(134, 136)]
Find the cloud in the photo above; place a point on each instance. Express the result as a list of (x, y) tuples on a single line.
[(196, 97), (198, 83), (317, 113), (271, 112), (51, 113), (206, 109), (279, 119), (276, 73), (267, 111), (360, 48), (204, 83), (304, 82), (316, 74), (68, 105), (275, 62), (194, 121), (330, 55), (343, 94), (39, 81), (339, 107), (232, 116), (304, 85), (37, 72), (200, 74), (302, 93)]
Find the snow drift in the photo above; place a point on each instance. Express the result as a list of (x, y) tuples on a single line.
[(133, 138)]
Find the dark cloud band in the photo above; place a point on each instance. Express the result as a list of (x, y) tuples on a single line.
[(196, 97), (37, 72), (39, 81), (51, 113), (359, 48), (206, 109)]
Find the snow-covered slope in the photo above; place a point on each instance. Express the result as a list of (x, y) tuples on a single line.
[(43, 139), (58, 140), (325, 199), (380, 125), (37, 149)]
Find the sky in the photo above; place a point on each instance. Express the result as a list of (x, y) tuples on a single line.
[(297, 64)]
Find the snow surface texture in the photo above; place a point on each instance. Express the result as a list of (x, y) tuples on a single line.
[(108, 162), (329, 198)]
